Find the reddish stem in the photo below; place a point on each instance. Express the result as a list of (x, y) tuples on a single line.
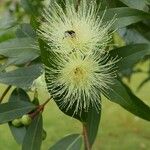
[(39, 109), (86, 139)]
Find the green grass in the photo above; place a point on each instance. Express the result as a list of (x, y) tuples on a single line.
[(119, 130)]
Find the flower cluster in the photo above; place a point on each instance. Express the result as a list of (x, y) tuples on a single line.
[(79, 70)]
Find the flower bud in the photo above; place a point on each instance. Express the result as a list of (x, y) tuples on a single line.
[(26, 120), (16, 122)]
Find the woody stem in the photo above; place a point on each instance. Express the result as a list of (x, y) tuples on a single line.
[(5, 92), (39, 109), (85, 137)]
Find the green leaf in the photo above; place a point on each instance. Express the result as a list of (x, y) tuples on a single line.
[(33, 7), (36, 101), (7, 34), (137, 4), (28, 6), (33, 137), (130, 55), (25, 30), (122, 95), (70, 142), (92, 123), (19, 94), (106, 3), (19, 50), (148, 2), (18, 133), (15, 109), (133, 36), (7, 21), (22, 77), (90, 118), (125, 16)]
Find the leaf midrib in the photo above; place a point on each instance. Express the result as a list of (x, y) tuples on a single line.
[(69, 146)]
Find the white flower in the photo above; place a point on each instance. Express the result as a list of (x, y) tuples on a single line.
[(40, 86), (77, 80), (78, 70), (82, 30)]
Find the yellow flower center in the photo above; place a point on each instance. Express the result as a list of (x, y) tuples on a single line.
[(79, 74)]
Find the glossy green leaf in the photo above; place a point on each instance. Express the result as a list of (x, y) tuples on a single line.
[(33, 137), (148, 2), (90, 118), (137, 4), (32, 7), (141, 109), (25, 30), (18, 133), (70, 142), (132, 36), (20, 95), (130, 55), (19, 50), (22, 77), (6, 21), (28, 6), (122, 95), (7, 34), (36, 101), (125, 16), (106, 3), (13, 110), (92, 123)]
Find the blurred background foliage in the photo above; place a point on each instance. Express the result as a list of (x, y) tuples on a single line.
[(20, 18)]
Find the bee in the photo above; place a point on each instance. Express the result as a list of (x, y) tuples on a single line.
[(70, 33)]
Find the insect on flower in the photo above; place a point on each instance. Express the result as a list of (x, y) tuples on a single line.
[(78, 70), (70, 33), (83, 30), (77, 80)]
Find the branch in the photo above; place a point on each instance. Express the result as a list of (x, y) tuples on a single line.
[(86, 139), (5, 92), (8, 88), (39, 109)]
